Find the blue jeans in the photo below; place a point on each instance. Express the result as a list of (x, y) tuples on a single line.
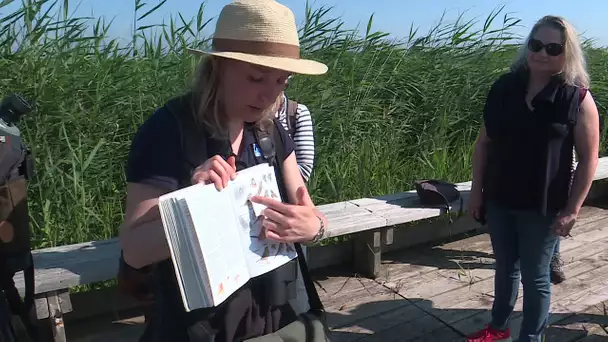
[(523, 245), (556, 250)]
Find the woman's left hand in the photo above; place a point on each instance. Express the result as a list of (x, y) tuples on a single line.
[(563, 224), (290, 223)]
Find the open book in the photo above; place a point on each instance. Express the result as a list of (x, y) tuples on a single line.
[(214, 235)]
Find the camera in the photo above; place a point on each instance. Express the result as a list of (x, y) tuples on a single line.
[(12, 108)]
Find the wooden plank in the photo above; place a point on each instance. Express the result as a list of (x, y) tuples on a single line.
[(581, 275), (387, 320), (583, 326), (336, 206), (468, 255), (388, 236), (602, 169), (352, 220), (330, 255), (419, 329), (63, 267), (348, 300), (422, 281), (448, 305), (433, 231)]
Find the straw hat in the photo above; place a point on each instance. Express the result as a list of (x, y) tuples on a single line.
[(261, 32)]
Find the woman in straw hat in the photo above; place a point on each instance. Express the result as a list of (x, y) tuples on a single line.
[(238, 88)]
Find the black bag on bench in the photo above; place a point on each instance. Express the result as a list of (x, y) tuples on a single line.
[(434, 192)]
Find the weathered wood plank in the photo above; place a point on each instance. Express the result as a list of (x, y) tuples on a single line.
[(352, 220), (348, 300), (63, 267), (590, 263)]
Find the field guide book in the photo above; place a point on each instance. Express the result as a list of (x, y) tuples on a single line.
[(214, 236)]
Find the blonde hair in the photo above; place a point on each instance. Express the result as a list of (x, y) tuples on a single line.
[(208, 109), (575, 68)]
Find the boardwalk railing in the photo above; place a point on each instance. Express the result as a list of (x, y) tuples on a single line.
[(371, 222)]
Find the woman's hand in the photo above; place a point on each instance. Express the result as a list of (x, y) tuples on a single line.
[(290, 223), (215, 170), (563, 224), (475, 205)]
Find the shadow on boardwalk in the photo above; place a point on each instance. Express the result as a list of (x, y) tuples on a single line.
[(411, 323)]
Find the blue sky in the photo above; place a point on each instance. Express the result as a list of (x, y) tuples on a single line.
[(394, 16)]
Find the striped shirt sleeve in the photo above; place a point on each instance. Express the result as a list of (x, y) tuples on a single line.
[(303, 138), (304, 141)]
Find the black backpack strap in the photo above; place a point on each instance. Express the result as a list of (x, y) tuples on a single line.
[(274, 152), (291, 109)]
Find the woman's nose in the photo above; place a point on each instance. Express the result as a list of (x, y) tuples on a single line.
[(270, 94)]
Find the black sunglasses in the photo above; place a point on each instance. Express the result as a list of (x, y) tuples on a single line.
[(552, 49)]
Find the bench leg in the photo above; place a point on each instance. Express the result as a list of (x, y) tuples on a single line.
[(368, 252), (59, 303)]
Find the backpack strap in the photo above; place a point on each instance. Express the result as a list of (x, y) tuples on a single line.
[(277, 156), (291, 110), (193, 137)]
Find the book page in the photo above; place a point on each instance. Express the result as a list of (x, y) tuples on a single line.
[(217, 234), (261, 255), (178, 248)]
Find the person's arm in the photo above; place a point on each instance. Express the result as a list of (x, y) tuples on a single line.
[(304, 141), (491, 111), (586, 143), (142, 237), (150, 172), (480, 154)]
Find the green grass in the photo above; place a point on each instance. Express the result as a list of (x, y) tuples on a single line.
[(387, 113)]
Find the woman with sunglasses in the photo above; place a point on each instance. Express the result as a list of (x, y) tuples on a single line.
[(534, 117)]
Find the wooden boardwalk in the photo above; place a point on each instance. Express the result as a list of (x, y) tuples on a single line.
[(442, 293)]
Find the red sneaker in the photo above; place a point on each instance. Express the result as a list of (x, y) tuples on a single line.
[(490, 334)]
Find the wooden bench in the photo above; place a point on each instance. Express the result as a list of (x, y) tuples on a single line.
[(371, 222)]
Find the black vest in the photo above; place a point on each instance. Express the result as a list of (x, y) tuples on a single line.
[(261, 306), (529, 160)]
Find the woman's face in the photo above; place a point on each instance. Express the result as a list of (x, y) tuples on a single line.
[(249, 91), (546, 51)]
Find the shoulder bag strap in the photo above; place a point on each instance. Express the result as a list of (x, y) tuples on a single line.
[(277, 156)]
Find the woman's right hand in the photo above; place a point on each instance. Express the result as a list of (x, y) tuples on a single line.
[(476, 204), (215, 170)]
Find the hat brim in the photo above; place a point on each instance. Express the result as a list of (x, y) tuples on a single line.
[(298, 66)]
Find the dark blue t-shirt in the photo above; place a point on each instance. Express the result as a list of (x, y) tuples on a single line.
[(154, 159), (156, 149)]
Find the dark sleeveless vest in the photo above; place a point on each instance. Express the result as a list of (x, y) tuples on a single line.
[(261, 306), (529, 161)]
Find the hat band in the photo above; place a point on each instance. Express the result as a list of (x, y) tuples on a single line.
[(256, 47)]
